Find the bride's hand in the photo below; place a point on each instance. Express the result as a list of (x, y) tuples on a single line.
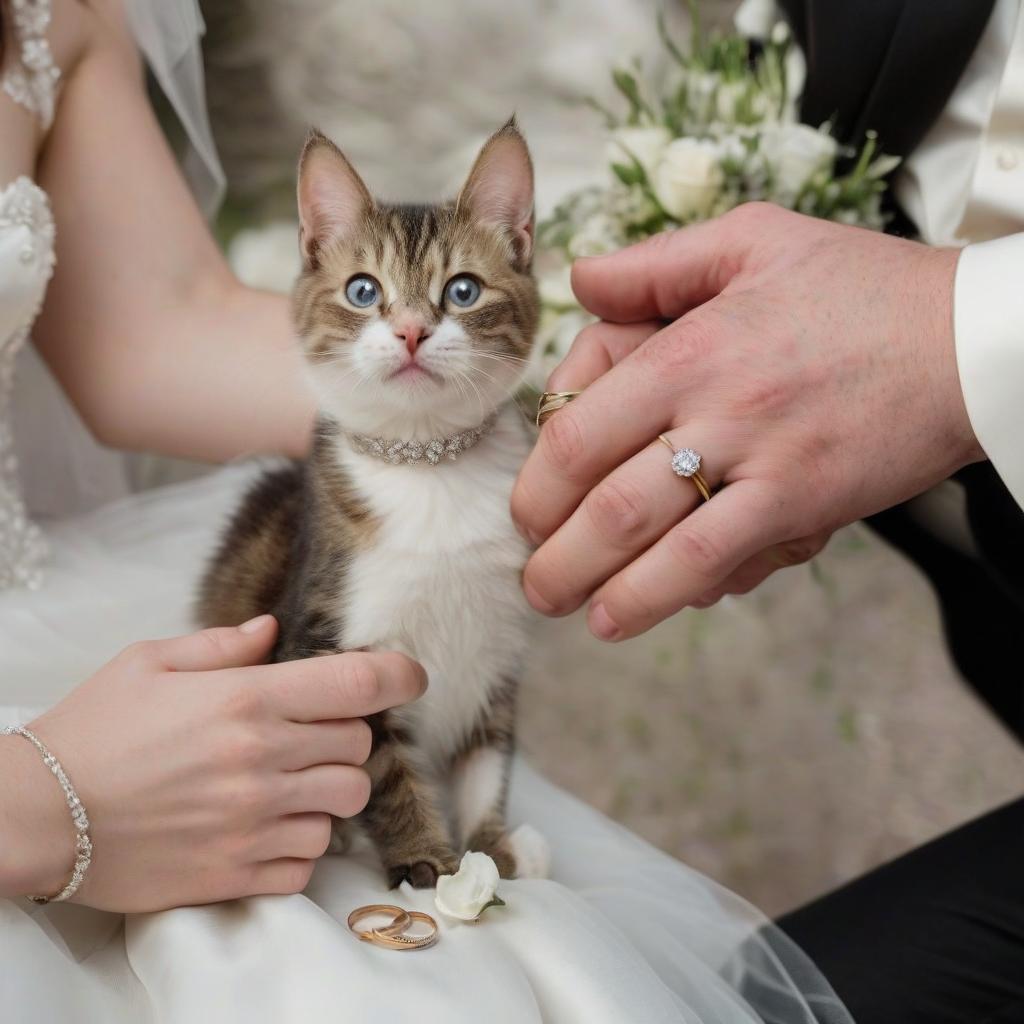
[(813, 367), (206, 775)]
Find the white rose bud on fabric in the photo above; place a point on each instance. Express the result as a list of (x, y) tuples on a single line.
[(796, 152), (471, 890), (689, 178), (646, 144)]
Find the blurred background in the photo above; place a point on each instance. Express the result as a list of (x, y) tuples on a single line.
[(783, 742)]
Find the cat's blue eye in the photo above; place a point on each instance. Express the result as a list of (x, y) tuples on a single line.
[(463, 291), (362, 291)]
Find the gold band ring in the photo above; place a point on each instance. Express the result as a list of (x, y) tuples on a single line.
[(401, 919), (686, 462), (551, 401), (405, 941), (393, 936)]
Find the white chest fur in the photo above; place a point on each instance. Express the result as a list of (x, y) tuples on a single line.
[(441, 581)]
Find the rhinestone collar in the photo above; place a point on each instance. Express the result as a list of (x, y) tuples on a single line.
[(431, 452)]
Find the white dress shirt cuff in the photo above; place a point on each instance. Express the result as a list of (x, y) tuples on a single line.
[(988, 318)]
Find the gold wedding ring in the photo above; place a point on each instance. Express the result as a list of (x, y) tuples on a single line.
[(686, 462), (551, 401), (394, 935)]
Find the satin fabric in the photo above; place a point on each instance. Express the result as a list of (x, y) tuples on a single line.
[(621, 932)]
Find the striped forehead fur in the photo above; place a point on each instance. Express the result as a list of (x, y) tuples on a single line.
[(414, 250)]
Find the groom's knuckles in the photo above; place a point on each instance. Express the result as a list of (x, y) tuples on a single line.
[(676, 356), (698, 555), (621, 286), (562, 446), (691, 560), (629, 604), (671, 272), (596, 349), (588, 358), (626, 286), (554, 476), (617, 513)]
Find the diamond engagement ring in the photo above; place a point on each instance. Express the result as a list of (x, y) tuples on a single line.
[(686, 462)]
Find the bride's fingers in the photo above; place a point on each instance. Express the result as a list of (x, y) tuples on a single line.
[(305, 836), (285, 875), (211, 649), (348, 685), (341, 790), (617, 521), (692, 559), (342, 741), (596, 349)]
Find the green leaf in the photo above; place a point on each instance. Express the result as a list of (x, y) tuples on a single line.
[(627, 84), (669, 42), (496, 901), (627, 174)]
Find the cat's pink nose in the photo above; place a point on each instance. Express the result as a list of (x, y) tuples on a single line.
[(413, 333)]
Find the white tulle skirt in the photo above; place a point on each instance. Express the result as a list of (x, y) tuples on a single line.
[(621, 932)]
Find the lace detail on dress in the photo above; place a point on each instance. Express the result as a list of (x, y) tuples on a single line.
[(33, 84), (26, 245)]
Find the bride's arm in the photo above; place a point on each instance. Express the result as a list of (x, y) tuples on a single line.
[(150, 334)]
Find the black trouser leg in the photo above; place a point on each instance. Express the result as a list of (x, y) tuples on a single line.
[(935, 937), (981, 598)]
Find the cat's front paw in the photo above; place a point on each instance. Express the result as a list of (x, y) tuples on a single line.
[(422, 873)]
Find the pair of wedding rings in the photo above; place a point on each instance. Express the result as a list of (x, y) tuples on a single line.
[(395, 935), (685, 461)]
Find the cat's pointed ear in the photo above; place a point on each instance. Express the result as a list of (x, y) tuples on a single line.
[(499, 189), (332, 197)]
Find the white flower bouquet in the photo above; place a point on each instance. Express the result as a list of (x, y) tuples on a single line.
[(721, 129)]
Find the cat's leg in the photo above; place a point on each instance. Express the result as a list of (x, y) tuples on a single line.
[(481, 777), (403, 817)]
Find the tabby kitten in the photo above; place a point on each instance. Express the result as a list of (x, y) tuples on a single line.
[(416, 323)]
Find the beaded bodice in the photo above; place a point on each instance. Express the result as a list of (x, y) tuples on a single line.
[(33, 76), (26, 263), (30, 78)]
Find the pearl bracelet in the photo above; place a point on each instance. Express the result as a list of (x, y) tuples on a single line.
[(83, 844)]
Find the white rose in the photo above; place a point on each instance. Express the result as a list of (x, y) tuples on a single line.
[(646, 144), (689, 178), (796, 152), (470, 890)]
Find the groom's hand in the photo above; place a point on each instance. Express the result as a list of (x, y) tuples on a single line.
[(811, 365)]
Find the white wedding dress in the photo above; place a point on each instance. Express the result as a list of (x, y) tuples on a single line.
[(620, 933)]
